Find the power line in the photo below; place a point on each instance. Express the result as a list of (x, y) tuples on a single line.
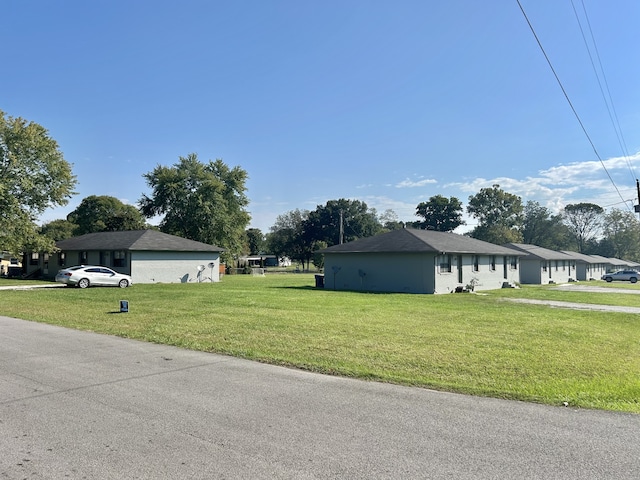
[(609, 104), (566, 96)]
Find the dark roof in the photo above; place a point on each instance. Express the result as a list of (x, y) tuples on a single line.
[(140, 240), (539, 253), (581, 257), (410, 240)]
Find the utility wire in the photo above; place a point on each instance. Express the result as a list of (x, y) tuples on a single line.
[(609, 104), (566, 96)]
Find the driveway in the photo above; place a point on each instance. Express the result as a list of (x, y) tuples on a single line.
[(77, 405), (584, 306)]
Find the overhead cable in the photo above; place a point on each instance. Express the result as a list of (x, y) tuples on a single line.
[(566, 96)]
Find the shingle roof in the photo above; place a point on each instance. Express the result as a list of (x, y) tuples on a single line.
[(136, 240), (410, 240), (534, 251), (581, 257)]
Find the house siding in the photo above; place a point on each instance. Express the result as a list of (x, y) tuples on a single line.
[(377, 272), (535, 271), (412, 272), (181, 267)]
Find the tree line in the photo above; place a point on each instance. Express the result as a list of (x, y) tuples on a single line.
[(501, 218), (207, 202)]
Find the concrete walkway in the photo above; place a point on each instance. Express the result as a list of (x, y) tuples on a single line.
[(77, 405)]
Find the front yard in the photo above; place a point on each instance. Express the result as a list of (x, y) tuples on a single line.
[(476, 344)]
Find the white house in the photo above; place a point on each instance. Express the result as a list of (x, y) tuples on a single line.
[(587, 266), (149, 256), (540, 265), (419, 261)]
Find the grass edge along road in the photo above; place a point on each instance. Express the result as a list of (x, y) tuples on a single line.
[(472, 344)]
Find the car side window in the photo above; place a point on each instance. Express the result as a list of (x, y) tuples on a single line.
[(107, 271), (93, 270)]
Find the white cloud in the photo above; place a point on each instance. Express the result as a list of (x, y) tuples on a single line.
[(404, 210), (408, 183), (558, 186)]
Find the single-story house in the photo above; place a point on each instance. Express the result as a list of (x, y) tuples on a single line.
[(603, 265), (587, 266), (619, 264), (419, 261), (540, 265), (149, 256)]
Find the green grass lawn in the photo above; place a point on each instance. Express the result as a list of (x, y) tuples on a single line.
[(477, 344)]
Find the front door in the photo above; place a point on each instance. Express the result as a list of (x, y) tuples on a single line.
[(459, 268)]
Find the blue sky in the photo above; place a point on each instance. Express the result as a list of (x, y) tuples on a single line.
[(388, 102)]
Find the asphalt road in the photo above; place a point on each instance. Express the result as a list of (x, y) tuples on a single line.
[(77, 405)]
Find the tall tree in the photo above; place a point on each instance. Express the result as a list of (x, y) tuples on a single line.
[(34, 176), (287, 237), (440, 213), (200, 201), (342, 221), (255, 241), (541, 227), (584, 221), (389, 220), (621, 233), (105, 214), (499, 215)]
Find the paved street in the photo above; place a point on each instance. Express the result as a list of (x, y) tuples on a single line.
[(77, 405)]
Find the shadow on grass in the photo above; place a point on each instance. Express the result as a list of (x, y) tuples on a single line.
[(312, 288)]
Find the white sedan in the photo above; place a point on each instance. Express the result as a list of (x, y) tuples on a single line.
[(85, 276)]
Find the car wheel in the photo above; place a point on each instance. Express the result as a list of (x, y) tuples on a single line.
[(123, 283), (633, 279), (83, 283), (609, 279)]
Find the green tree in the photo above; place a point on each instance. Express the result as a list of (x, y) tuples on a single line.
[(440, 213), (540, 227), (584, 221), (621, 233), (58, 229), (499, 215), (255, 241), (105, 214), (34, 176), (318, 258), (341, 221), (203, 202), (288, 239), (389, 220)]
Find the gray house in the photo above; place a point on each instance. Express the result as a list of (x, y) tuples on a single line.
[(148, 256), (540, 265), (419, 261)]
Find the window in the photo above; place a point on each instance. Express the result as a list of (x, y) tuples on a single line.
[(514, 263), (61, 258), (34, 258), (544, 266), (82, 258), (445, 263), (119, 258), (476, 266), (493, 263)]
